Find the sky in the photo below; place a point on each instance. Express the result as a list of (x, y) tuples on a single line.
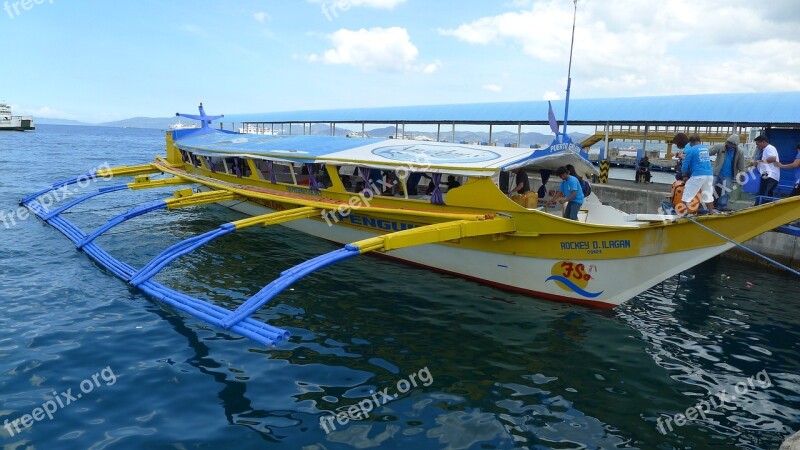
[(97, 61)]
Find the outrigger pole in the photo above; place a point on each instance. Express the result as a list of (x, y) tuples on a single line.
[(569, 69)]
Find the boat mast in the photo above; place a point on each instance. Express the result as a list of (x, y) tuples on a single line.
[(569, 69)]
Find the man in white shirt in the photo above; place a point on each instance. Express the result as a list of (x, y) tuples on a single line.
[(770, 172)]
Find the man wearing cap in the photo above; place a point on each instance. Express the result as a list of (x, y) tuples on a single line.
[(729, 163)]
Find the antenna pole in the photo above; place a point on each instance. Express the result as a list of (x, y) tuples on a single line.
[(569, 70)]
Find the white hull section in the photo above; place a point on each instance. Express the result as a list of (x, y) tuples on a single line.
[(604, 283)]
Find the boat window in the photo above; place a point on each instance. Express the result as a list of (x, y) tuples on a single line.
[(215, 164), (237, 167), (194, 159), (246, 170), (184, 156), (274, 172), (312, 173)]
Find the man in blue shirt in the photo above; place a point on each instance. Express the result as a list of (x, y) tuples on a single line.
[(796, 166), (729, 163), (571, 190), (697, 163)]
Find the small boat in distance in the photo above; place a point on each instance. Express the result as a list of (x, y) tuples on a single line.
[(183, 126), (9, 122)]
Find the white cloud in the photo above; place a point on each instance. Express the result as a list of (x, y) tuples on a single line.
[(380, 49), (551, 95), (261, 16), (344, 5), (492, 87), (627, 47), (432, 67)]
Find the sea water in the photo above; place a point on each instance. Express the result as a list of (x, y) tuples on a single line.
[(382, 355)]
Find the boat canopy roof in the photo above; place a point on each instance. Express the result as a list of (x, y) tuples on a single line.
[(387, 154)]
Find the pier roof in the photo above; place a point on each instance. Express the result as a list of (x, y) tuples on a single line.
[(745, 109)]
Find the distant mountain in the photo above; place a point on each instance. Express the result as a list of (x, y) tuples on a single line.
[(51, 121), (501, 138), (161, 123)]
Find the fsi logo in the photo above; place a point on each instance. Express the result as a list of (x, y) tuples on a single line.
[(572, 277)]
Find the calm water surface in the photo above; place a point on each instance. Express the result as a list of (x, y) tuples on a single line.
[(492, 369)]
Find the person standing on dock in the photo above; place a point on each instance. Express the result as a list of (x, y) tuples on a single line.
[(770, 172), (698, 174), (796, 166), (729, 163)]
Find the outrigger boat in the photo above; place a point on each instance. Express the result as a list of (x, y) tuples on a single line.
[(473, 230)]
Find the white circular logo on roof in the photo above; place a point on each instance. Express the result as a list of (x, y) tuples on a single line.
[(435, 154)]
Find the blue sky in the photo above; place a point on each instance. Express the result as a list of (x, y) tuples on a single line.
[(107, 60)]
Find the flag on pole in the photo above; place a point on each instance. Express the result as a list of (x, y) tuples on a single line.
[(551, 117)]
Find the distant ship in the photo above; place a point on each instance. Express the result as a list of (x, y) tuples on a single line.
[(182, 126), (14, 123)]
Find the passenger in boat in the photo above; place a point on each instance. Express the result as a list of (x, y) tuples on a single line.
[(698, 175), (643, 171), (770, 172), (522, 184), (586, 188), (412, 185), (360, 187), (346, 182), (390, 183), (452, 183), (729, 163), (796, 166), (571, 190)]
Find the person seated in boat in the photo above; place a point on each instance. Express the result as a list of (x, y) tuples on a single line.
[(452, 183), (522, 184), (346, 182), (412, 185), (571, 192), (360, 187), (643, 171), (390, 183)]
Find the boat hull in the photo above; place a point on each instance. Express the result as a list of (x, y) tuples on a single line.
[(594, 282)]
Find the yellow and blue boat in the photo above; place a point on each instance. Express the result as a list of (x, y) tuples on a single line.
[(366, 194)]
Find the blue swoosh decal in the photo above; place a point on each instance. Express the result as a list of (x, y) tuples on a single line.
[(575, 288)]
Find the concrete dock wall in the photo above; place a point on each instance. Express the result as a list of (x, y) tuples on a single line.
[(647, 199)]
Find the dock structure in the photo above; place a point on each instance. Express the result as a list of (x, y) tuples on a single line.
[(661, 133)]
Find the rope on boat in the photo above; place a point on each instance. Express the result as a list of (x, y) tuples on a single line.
[(714, 232)]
